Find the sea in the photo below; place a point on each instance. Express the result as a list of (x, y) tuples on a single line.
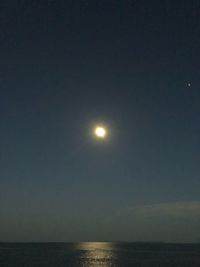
[(95, 254)]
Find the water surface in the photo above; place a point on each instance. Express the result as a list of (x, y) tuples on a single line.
[(99, 254)]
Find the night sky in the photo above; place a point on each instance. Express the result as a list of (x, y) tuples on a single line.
[(67, 65)]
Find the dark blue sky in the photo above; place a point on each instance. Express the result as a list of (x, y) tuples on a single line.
[(67, 65)]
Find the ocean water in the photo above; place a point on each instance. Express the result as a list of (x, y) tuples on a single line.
[(99, 254)]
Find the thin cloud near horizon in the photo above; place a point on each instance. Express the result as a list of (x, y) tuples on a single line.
[(168, 208)]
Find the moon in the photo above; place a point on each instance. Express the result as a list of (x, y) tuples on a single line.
[(100, 132)]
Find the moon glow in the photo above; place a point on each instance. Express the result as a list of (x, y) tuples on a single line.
[(100, 132)]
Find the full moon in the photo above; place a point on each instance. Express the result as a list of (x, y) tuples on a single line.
[(100, 132)]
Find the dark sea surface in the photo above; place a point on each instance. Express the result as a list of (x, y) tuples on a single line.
[(99, 254)]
